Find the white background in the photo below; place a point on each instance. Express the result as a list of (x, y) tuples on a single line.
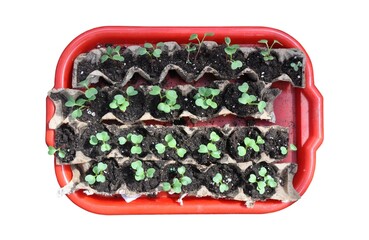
[(34, 34)]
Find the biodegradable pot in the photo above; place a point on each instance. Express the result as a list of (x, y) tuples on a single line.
[(212, 59)]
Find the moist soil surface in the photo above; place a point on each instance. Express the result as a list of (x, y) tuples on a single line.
[(236, 139), (220, 61), (152, 65), (136, 107), (144, 185), (199, 111), (95, 109), (250, 189), (231, 176), (296, 76), (202, 136), (125, 149), (232, 94), (170, 172), (92, 151), (153, 102), (274, 140), (158, 136), (113, 177), (66, 140), (266, 70)]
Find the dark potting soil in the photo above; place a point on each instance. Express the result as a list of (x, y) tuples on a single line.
[(92, 151), (193, 66), (232, 94), (116, 70), (296, 76), (84, 68), (202, 136), (113, 177), (170, 153), (237, 139), (274, 140), (125, 149), (97, 108), (153, 102), (66, 140), (134, 111), (231, 175), (170, 172), (220, 61), (251, 188), (152, 65), (199, 111), (266, 70), (144, 185)]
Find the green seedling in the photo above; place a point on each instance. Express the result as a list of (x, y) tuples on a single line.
[(230, 50), (98, 176), (150, 50), (249, 99), (267, 53), (296, 66), (140, 173), (194, 36), (60, 152), (135, 139), (250, 143), (284, 150), (211, 149), (267, 181), (121, 102), (103, 137), (113, 54), (80, 103), (204, 97), (168, 100), (190, 47), (171, 143), (220, 182), (177, 183)]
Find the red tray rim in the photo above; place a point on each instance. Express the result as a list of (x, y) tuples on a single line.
[(164, 205)]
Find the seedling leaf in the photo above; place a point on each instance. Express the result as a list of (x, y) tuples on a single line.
[(181, 152)]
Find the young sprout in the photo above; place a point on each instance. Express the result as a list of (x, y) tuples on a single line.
[(135, 139), (249, 99), (150, 50), (250, 143), (168, 100), (177, 183), (80, 103), (171, 143), (267, 53), (98, 170), (52, 151), (284, 150), (195, 36), (189, 49), (121, 102), (104, 138), (204, 97), (211, 149), (296, 66), (219, 182), (113, 54), (267, 181), (230, 50), (140, 173)]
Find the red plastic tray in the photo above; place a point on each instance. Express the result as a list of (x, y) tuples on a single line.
[(300, 109)]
